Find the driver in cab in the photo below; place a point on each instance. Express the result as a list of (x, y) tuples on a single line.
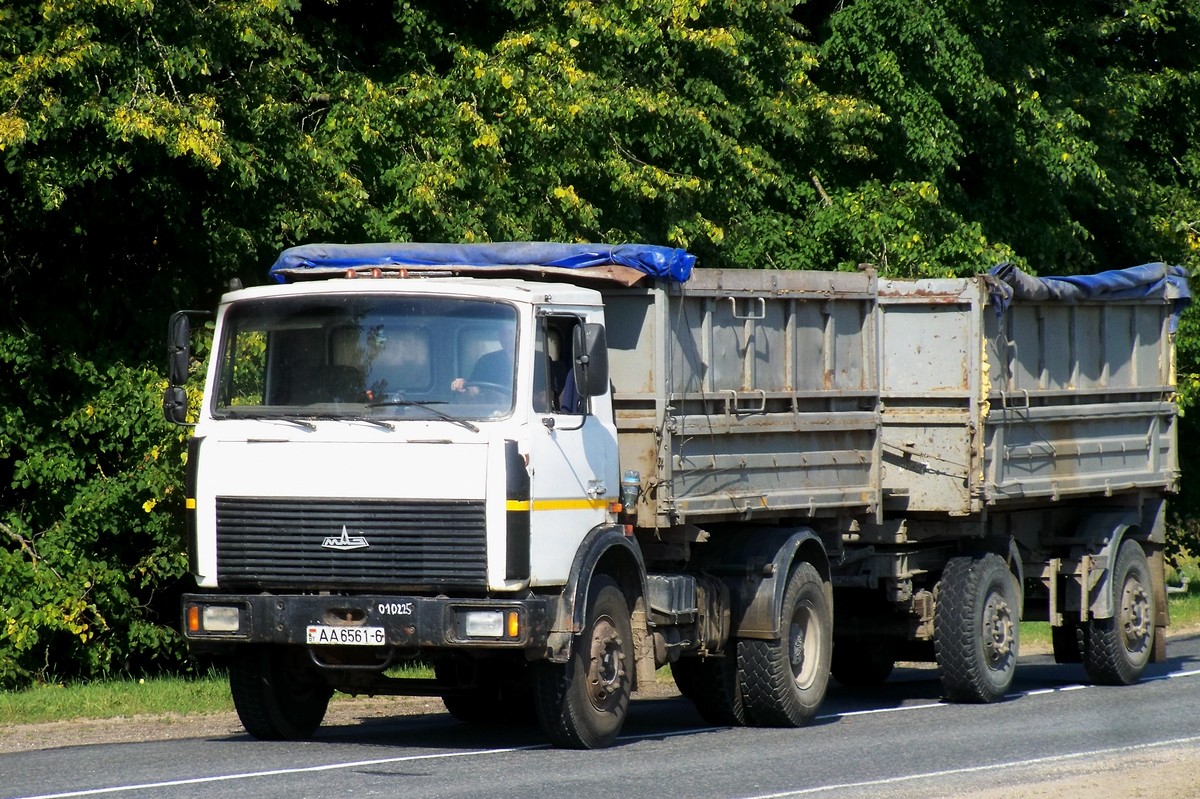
[(492, 372)]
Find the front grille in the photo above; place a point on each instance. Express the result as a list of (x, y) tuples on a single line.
[(277, 543)]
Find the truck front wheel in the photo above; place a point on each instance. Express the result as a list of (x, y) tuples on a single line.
[(1116, 650), (784, 681), (278, 694), (976, 632), (582, 704)]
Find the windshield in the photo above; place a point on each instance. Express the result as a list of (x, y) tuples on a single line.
[(346, 356)]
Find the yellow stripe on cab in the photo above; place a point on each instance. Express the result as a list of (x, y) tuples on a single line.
[(583, 503)]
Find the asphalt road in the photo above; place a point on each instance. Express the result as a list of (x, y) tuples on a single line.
[(896, 741)]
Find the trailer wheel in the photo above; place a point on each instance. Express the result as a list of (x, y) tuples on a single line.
[(582, 704), (976, 633), (712, 686), (1116, 650), (783, 682), (862, 662), (278, 694)]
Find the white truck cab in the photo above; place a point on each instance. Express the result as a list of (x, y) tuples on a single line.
[(357, 401)]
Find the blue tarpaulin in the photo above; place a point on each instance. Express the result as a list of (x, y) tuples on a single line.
[(661, 262), (1137, 282)]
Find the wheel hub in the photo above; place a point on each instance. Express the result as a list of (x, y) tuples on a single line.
[(797, 648), (998, 642), (1135, 615), (802, 643), (606, 665)]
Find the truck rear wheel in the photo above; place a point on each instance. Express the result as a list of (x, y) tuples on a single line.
[(1116, 650), (582, 704), (712, 686), (278, 694), (976, 632), (783, 682)]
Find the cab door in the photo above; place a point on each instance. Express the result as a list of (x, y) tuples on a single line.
[(572, 459)]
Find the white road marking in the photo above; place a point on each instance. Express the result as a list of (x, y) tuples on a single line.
[(1060, 689), (1173, 675), (1037, 761), (691, 731), (873, 711), (275, 773)]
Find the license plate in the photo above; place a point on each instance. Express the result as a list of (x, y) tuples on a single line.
[(346, 636)]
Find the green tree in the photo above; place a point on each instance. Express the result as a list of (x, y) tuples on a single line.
[(146, 152), (152, 150), (1054, 130)]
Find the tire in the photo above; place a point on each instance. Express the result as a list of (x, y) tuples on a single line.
[(784, 681), (976, 628), (712, 686), (278, 694), (1116, 650), (861, 662), (501, 693), (582, 704)]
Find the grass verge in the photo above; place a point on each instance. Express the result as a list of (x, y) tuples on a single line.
[(210, 692), (113, 698)]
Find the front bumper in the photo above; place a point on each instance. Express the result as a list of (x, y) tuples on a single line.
[(216, 621)]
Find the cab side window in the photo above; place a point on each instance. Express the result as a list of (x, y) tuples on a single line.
[(553, 391)]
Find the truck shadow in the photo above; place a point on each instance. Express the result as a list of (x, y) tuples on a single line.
[(910, 686)]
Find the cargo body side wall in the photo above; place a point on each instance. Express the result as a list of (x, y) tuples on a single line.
[(1081, 401), (1048, 401), (931, 386), (747, 396)]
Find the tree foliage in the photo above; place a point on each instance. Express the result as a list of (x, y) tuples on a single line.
[(152, 149)]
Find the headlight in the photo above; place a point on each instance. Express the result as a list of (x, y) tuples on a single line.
[(503, 624), (483, 623), (213, 619)]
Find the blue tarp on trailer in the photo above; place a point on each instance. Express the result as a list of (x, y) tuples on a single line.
[(1137, 282), (661, 262)]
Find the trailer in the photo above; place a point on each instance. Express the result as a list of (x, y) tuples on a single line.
[(547, 470), (1028, 444)]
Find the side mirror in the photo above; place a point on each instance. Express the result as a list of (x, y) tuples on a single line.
[(590, 351), (179, 354), (175, 405), (179, 332)]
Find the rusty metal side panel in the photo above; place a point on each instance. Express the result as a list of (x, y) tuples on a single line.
[(1050, 400), (1104, 348), (1058, 451), (635, 322), (1082, 401), (933, 379), (748, 394)]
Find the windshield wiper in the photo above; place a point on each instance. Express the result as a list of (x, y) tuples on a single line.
[(289, 420), (306, 420), (428, 406), (337, 417)]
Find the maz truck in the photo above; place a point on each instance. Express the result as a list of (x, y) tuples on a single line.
[(544, 471)]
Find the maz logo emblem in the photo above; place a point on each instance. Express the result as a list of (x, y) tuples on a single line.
[(345, 542)]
